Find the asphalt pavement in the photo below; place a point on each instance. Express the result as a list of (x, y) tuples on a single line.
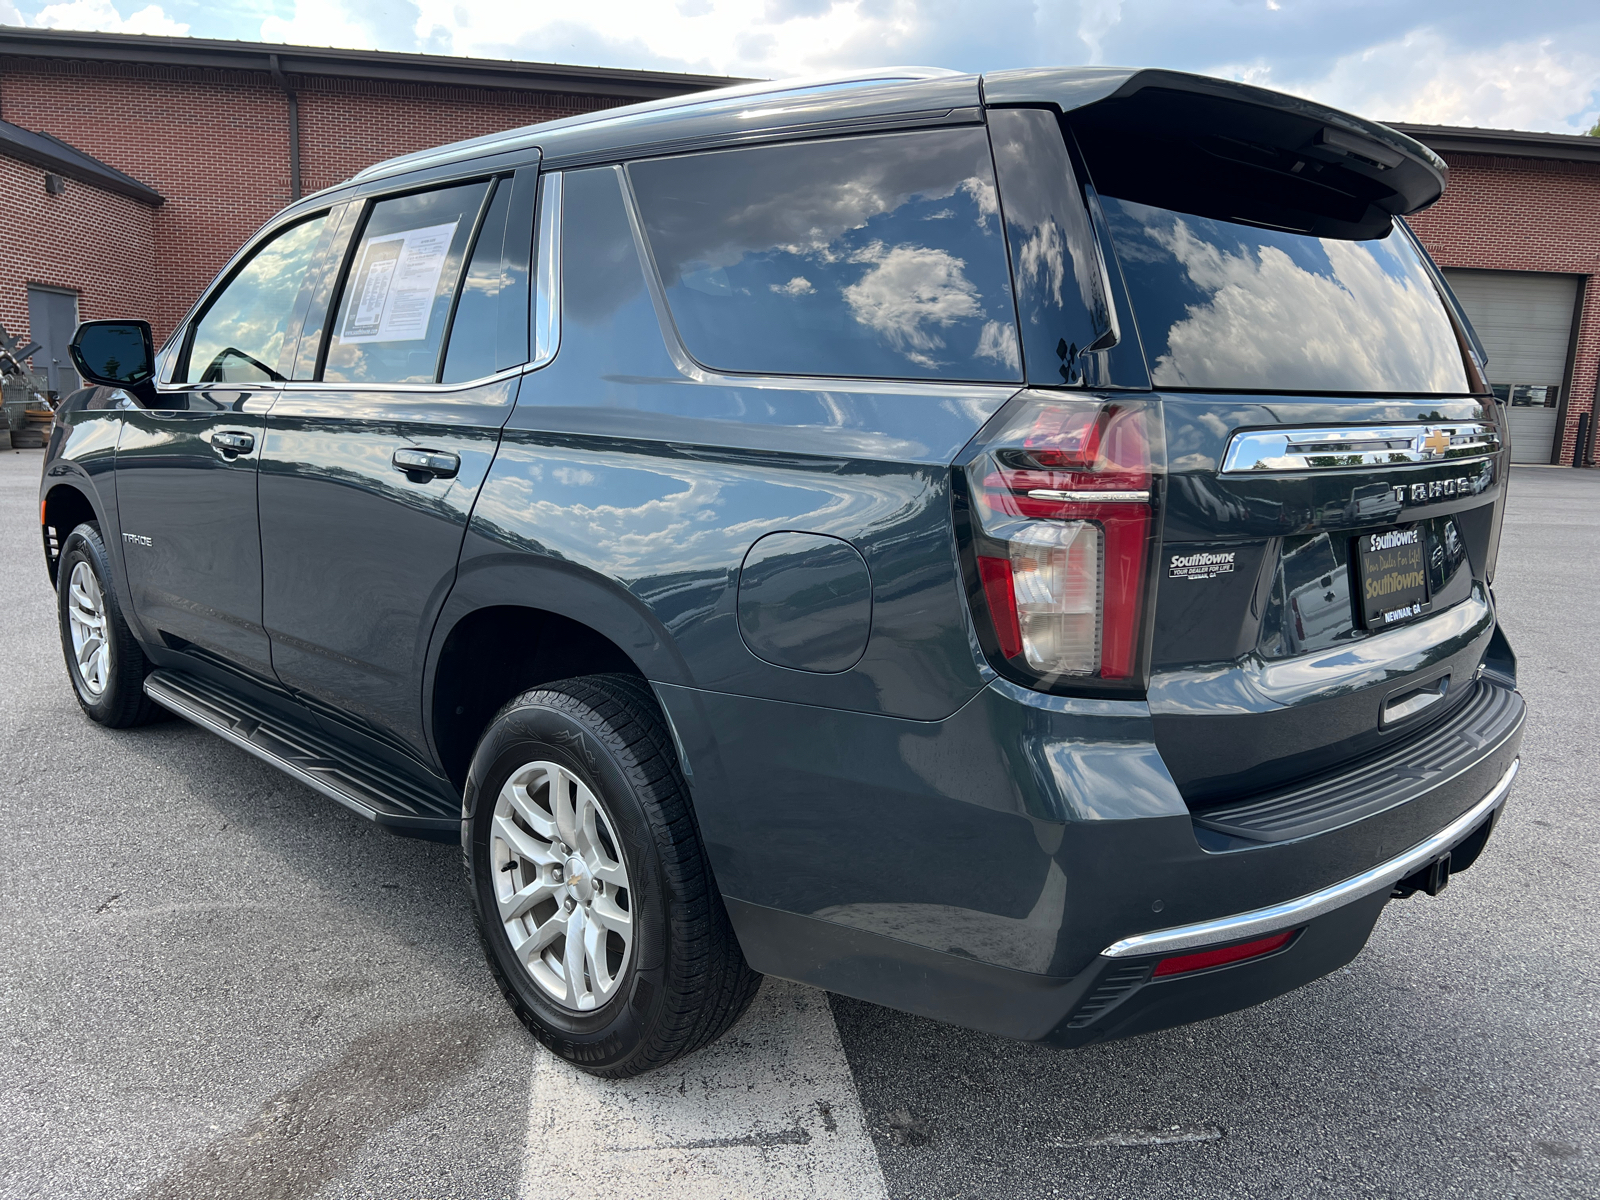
[(218, 983)]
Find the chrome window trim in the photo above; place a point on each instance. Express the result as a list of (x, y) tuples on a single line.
[(1261, 921), (317, 385), (547, 288), (1335, 448)]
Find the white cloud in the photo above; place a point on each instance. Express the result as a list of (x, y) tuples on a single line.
[(798, 286), (324, 24), (998, 341), (1267, 320), (909, 292), (1096, 18), (101, 16), (1427, 78)]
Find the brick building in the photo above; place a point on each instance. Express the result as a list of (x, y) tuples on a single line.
[(1518, 235), (218, 136), (167, 153)]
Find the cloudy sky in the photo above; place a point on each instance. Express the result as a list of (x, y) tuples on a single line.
[(1534, 64)]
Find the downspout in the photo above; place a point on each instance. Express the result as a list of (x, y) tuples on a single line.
[(294, 126)]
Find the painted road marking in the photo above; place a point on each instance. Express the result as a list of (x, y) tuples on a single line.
[(769, 1112)]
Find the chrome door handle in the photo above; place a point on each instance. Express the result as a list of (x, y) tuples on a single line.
[(441, 464), (231, 442)]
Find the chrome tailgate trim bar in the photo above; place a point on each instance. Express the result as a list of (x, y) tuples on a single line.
[(1268, 451)]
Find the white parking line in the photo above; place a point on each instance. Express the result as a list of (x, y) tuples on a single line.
[(769, 1112)]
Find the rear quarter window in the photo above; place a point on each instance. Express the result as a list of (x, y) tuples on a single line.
[(1226, 305), (875, 256)]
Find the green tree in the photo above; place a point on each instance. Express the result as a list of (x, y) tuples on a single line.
[(1595, 130)]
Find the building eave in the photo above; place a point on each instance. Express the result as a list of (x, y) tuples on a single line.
[(54, 155), (504, 74), (1513, 143)]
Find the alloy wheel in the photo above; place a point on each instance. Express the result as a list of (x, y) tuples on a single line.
[(86, 619), (561, 885)]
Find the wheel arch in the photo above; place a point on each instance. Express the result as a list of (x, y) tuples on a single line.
[(486, 653), (64, 507)]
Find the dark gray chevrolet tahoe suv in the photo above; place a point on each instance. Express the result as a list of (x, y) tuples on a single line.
[(1017, 549)]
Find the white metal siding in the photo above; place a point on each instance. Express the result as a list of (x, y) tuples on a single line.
[(1524, 319)]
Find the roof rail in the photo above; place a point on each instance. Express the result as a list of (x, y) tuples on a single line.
[(529, 135)]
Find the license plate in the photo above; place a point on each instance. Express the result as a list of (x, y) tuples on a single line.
[(1393, 576)]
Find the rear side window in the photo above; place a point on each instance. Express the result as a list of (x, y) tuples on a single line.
[(1222, 304), (873, 256), (240, 337), (397, 297)]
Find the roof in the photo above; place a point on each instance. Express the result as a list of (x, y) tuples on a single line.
[(352, 64), (50, 152), (1517, 143), (801, 105), (1402, 174)]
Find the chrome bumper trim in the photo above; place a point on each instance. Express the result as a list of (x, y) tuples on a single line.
[(1262, 921)]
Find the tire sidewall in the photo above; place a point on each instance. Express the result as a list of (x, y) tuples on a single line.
[(83, 544), (532, 731)]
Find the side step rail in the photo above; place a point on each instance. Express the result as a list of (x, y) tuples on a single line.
[(368, 789)]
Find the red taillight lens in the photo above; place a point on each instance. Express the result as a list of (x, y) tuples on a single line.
[(1063, 494), (1184, 963)]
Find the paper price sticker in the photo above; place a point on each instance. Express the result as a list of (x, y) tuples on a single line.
[(395, 285)]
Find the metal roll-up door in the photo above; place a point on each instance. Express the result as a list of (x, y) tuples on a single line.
[(1524, 319)]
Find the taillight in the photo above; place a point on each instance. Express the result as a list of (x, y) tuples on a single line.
[(1062, 494)]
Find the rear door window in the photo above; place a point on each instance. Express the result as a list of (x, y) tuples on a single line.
[(875, 256), (1226, 305), (397, 297)]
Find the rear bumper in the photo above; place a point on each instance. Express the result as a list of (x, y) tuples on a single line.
[(1303, 909), (1023, 866), (1117, 995)]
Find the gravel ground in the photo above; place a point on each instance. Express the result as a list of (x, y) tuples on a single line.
[(218, 983)]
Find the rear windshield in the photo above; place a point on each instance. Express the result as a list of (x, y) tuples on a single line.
[(1225, 305)]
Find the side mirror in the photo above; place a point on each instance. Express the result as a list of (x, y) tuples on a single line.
[(114, 353)]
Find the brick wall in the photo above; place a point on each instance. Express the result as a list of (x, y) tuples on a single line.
[(96, 243), (1527, 214), (215, 144)]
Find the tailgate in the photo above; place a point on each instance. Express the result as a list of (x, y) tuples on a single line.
[(1322, 588)]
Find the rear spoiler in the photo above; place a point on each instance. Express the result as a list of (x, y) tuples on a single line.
[(1254, 155)]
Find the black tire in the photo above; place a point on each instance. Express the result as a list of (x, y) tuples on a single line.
[(121, 702), (686, 981)]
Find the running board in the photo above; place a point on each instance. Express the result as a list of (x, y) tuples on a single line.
[(370, 789)]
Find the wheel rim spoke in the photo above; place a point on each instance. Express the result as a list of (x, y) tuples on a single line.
[(605, 913), (564, 789), (528, 809), (594, 957), (513, 907), (578, 995), (548, 849), (523, 845)]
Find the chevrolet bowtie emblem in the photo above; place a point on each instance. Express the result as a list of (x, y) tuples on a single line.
[(1437, 442)]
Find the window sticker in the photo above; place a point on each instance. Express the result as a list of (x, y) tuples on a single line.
[(396, 283)]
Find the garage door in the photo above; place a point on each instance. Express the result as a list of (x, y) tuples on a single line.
[(1524, 319)]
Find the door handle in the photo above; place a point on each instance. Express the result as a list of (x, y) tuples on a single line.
[(441, 464), (1408, 704), (232, 442)]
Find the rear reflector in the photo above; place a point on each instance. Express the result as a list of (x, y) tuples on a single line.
[(1184, 963)]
